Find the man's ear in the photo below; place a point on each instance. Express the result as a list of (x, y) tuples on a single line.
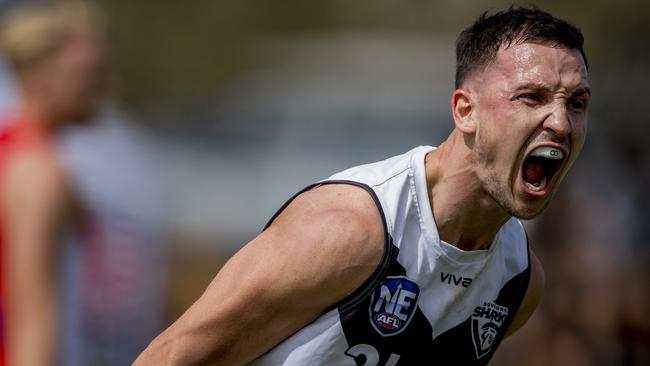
[(462, 110)]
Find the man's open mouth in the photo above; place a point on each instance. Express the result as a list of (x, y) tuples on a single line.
[(540, 167)]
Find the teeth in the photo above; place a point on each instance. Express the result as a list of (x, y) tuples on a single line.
[(536, 187), (548, 152)]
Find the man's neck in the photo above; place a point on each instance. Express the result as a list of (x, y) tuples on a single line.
[(466, 216)]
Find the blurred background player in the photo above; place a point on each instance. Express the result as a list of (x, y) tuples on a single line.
[(59, 65), (80, 235), (116, 171)]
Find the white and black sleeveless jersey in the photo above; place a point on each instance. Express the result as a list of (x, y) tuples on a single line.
[(428, 302)]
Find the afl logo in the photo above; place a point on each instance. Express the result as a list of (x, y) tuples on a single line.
[(393, 305), (388, 321)]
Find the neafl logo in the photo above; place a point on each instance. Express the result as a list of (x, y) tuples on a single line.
[(393, 305)]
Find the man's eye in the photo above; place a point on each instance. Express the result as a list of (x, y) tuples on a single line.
[(532, 98), (578, 105)]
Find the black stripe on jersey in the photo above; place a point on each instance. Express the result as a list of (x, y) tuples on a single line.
[(412, 346), (455, 346), (389, 255)]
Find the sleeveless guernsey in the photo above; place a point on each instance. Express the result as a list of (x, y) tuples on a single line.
[(428, 302)]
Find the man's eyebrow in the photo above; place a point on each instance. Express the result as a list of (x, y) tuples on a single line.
[(582, 90), (585, 90), (533, 86)]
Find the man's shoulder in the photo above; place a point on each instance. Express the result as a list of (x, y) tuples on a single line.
[(335, 201), (336, 215)]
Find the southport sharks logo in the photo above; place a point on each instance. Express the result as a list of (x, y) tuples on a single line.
[(486, 323)]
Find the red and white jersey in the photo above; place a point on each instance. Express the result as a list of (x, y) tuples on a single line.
[(427, 301)]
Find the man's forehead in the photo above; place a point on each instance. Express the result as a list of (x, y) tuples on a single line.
[(533, 62)]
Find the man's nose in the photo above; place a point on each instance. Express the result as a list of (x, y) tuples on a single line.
[(557, 119)]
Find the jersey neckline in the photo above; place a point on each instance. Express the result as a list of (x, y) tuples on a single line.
[(427, 221)]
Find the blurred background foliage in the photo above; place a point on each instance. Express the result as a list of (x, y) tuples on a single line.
[(177, 51)]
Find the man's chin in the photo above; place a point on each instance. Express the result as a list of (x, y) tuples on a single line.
[(521, 206), (529, 211)]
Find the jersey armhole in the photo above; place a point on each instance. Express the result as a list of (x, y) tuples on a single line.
[(390, 251), (527, 275), (528, 268), (525, 283)]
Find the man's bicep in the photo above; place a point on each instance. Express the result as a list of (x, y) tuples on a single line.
[(322, 248)]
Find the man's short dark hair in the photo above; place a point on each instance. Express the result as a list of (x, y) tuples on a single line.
[(478, 45)]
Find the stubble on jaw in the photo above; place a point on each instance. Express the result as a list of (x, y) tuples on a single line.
[(489, 182), (497, 187)]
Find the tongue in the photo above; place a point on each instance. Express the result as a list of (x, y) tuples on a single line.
[(533, 171)]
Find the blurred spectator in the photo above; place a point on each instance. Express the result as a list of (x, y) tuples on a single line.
[(80, 234), (116, 172), (59, 63)]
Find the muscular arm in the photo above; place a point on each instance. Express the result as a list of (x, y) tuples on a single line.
[(319, 250), (34, 208), (532, 297)]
